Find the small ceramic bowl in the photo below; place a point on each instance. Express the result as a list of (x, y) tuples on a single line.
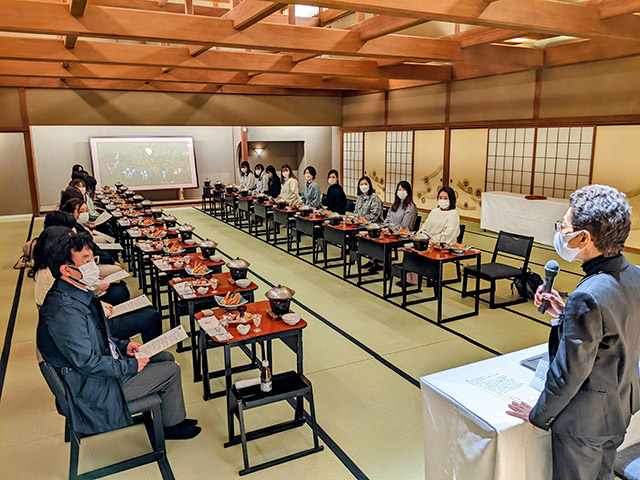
[(215, 258), (190, 241), (243, 282), (243, 328), (203, 290), (290, 318)]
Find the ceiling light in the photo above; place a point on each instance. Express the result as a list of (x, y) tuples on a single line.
[(520, 40)]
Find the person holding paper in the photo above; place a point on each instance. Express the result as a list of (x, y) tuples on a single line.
[(592, 385), (99, 371)]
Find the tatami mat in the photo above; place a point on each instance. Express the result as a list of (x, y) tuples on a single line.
[(367, 408)]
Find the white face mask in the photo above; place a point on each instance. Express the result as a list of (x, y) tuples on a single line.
[(364, 188), (243, 170), (561, 244), (258, 173), (332, 181), (443, 204), (83, 190), (402, 194), (90, 273), (285, 174), (83, 218)]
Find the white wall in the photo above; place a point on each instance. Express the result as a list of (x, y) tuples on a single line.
[(15, 196), (58, 148)]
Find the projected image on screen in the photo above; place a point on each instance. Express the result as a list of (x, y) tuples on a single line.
[(144, 163)]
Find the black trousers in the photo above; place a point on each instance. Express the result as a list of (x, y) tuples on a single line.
[(145, 321), (116, 294), (576, 458)]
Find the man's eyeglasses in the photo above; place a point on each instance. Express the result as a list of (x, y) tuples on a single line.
[(560, 225)]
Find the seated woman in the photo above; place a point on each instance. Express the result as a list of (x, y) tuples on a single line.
[(145, 321), (403, 212), (336, 198), (81, 186), (247, 180), (274, 185), (261, 179), (311, 191), (290, 192), (443, 223), (368, 204)]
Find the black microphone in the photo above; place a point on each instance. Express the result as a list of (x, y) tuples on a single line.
[(551, 269)]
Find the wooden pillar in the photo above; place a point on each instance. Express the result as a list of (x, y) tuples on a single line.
[(245, 145), (28, 149), (447, 138), (537, 94)]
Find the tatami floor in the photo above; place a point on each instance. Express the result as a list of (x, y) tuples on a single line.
[(363, 354)]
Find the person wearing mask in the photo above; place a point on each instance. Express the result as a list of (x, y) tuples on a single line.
[(311, 191), (592, 384), (368, 204), (247, 180), (99, 370), (81, 186), (77, 171), (336, 198), (290, 192), (261, 179), (403, 211), (274, 185), (443, 223)]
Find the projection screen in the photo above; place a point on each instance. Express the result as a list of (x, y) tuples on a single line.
[(144, 163)]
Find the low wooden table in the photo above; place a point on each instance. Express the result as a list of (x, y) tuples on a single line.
[(310, 225), (202, 301), (343, 236), (283, 216), (379, 249)]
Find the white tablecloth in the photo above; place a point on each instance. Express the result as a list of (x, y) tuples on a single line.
[(512, 213), (468, 435)]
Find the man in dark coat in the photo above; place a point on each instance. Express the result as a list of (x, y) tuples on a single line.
[(592, 386), (100, 373)]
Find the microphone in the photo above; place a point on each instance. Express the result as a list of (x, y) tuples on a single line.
[(551, 269)]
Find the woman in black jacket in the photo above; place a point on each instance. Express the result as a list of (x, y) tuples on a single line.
[(336, 198), (274, 185)]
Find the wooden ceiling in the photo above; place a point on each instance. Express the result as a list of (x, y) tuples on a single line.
[(262, 47)]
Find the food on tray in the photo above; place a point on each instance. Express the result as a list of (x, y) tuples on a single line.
[(231, 299), (403, 231), (173, 248), (199, 267)]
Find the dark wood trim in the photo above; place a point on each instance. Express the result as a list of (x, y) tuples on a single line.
[(533, 162), (244, 145), (386, 107), (593, 152), (537, 94), (486, 165), (521, 122), (447, 104), (28, 150), (446, 159), (341, 179), (12, 129)]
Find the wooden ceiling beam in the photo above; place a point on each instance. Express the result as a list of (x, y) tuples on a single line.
[(77, 7), (151, 5), (588, 51), (331, 15), (46, 18), (480, 35), (613, 8), (250, 12), (542, 16), (503, 55), (381, 25), (150, 55), (128, 85)]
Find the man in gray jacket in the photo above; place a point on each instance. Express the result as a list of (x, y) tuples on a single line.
[(592, 387)]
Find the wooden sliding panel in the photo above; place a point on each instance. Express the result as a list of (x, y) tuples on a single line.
[(611, 87), (493, 98), (428, 158), (9, 108), (468, 169), (363, 110), (615, 162), (417, 105), (375, 160)]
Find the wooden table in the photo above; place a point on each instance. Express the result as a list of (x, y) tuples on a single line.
[(245, 208), (230, 204), (142, 253), (310, 225), (176, 301), (263, 210), (429, 264), (271, 329), (341, 235), (378, 249)]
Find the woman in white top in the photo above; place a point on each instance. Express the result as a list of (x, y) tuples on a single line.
[(261, 179), (443, 223), (247, 180), (290, 192)]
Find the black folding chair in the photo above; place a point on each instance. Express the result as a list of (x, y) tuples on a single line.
[(148, 408), (510, 244)]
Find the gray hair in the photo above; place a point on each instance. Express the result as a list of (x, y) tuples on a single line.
[(605, 213)]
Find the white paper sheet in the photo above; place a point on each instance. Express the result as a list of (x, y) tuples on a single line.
[(114, 277), (104, 216), (131, 305), (503, 385), (110, 246), (540, 377), (108, 238), (212, 326), (162, 342)]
